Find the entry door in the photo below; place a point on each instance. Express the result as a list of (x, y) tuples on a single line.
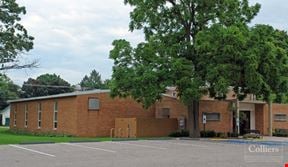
[(244, 122)]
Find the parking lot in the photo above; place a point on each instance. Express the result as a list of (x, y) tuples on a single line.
[(144, 153)]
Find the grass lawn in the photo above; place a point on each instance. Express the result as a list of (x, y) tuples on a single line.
[(7, 137)]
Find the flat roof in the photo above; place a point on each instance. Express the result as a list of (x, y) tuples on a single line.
[(61, 95)]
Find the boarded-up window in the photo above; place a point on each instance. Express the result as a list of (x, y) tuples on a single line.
[(165, 113), (280, 117), (212, 116), (93, 104)]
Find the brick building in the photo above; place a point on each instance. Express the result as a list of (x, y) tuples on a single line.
[(95, 113)]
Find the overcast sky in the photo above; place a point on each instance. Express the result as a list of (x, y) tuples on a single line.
[(73, 37)]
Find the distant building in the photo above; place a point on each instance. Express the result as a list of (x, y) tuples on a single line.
[(95, 113), (5, 116)]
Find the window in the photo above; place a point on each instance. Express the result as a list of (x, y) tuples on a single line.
[(165, 113), (14, 121), (212, 116), (39, 115), (174, 94), (93, 104), (55, 115), (280, 117), (26, 115)]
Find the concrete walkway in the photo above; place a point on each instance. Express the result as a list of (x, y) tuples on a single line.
[(270, 138)]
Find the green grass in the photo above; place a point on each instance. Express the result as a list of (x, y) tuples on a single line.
[(7, 137)]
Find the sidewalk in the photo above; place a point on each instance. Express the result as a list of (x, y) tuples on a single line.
[(272, 138)]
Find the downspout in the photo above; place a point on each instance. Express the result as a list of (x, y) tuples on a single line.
[(270, 118)]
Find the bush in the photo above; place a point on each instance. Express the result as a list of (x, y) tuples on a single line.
[(182, 133), (208, 133), (251, 136), (232, 134), (45, 134), (220, 134), (281, 133)]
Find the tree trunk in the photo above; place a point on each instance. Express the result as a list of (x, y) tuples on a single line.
[(270, 118), (193, 119)]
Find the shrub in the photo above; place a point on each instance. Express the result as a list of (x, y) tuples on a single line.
[(46, 134), (208, 133), (232, 134), (182, 133), (251, 136), (281, 133), (220, 134)]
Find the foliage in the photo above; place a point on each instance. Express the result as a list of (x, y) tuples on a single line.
[(8, 90), (232, 134), (251, 59), (169, 56), (182, 133), (208, 133), (281, 133), (43, 85), (251, 136), (17, 137), (94, 81), (14, 39)]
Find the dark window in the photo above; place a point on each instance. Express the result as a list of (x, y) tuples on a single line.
[(39, 118), (39, 107), (93, 104), (280, 117), (212, 116), (15, 114)]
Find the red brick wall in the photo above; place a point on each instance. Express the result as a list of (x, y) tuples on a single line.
[(225, 124), (177, 109), (280, 109), (100, 123), (259, 117), (66, 115)]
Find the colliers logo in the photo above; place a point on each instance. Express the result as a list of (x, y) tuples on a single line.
[(263, 149)]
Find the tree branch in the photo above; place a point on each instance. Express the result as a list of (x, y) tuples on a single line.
[(34, 64)]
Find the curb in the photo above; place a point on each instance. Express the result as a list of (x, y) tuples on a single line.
[(28, 143)]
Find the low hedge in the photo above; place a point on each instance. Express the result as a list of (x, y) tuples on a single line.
[(182, 133), (45, 134), (281, 132)]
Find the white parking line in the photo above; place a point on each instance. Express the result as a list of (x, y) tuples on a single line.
[(141, 145), (34, 151), (177, 143), (93, 148)]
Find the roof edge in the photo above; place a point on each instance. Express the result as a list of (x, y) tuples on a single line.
[(77, 93)]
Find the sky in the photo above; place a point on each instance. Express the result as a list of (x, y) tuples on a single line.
[(74, 37)]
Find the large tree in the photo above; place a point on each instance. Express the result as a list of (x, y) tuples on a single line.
[(44, 85), (8, 90), (168, 56), (14, 39), (251, 59), (94, 81)]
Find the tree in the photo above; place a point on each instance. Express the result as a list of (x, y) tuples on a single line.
[(14, 39), (251, 59), (8, 90), (93, 81), (44, 85), (168, 55)]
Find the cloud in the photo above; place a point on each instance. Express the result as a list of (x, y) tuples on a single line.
[(73, 37)]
